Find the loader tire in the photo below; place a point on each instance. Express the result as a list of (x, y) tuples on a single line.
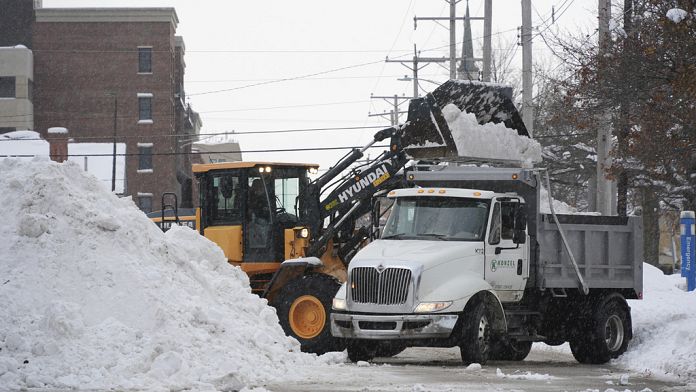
[(510, 350), (607, 335), (304, 306), (477, 331)]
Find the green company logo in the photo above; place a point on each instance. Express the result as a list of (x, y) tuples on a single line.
[(495, 264)]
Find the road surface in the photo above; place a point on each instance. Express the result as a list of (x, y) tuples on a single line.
[(428, 369)]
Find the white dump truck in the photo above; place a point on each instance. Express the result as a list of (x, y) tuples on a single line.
[(467, 259)]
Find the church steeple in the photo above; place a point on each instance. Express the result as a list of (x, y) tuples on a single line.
[(467, 67)]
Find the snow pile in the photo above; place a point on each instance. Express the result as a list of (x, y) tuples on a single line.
[(559, 207), (676, 15), (95, 296), (664, 342), (489, 141)]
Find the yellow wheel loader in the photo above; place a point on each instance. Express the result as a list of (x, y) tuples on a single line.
[(295, 236)]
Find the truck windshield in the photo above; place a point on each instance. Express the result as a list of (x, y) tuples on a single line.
[(437, 218)]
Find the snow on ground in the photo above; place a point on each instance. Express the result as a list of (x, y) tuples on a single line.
[(664, 328), (95, 296), (489, 141), (524, 376)]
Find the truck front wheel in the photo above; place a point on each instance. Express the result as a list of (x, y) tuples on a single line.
[(510, 350), (475, 346), (607, 336), (303, 307)]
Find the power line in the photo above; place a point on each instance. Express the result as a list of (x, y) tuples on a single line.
[(208, 153), (221, 133)]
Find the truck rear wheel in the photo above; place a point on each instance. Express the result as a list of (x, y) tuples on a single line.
[(510, 350), (607, 336), (475, 346), (303, 306)]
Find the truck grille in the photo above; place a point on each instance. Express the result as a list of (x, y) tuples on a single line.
[(390, 287)]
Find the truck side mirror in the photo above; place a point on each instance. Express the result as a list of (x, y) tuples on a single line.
[(375, 212)]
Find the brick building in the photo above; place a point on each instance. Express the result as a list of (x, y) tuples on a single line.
[(117, 74)]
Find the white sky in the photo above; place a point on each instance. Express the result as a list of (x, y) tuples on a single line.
[(231, 44)]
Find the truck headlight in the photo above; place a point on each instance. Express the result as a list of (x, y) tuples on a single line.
[(338, 304), (428, 307)]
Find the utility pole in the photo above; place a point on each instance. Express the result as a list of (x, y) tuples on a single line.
[(394, 100), (416, 66), (452, 19), (527, 89), (605, 199), (487, 33)]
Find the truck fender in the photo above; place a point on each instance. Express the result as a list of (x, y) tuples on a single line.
[(289, 270), (468, 291)]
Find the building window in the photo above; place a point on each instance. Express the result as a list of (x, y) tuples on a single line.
[(145, 60), (145, 203), (145, 107), (7, 87), (145, 157)]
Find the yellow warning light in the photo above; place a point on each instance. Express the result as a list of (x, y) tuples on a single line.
[(514, 176), (394, 147), (431, 190), (477, 193), (421, 191), (441, 191), (411, 177), (392, 193)]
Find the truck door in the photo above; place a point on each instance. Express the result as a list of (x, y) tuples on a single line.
[(506, 263)]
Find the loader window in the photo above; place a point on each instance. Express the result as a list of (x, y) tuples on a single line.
[(286, 191), (226, 205), (437, 218)]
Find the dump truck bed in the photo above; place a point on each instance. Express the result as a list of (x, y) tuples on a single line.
[(607, 249)]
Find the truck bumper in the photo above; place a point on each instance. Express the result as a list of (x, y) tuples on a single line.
[(377, 326)]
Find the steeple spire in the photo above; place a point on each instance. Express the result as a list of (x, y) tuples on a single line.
[(467, 67)]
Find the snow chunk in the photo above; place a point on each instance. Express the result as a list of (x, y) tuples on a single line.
[(676, 15), (524, 376), (474, 367), (489, 141), (95, 296)]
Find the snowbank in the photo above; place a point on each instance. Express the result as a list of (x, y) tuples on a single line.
[(489, 141), (664, 325), (95, 296)]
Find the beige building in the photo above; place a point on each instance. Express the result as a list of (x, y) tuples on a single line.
[(218, 148), (16, 85)]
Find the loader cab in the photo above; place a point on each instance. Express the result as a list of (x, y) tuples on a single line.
[(247, 207)]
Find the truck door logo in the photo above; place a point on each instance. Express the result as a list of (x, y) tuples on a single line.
[(495, 264)]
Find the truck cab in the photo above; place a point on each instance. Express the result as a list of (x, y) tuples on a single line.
[(441, 250)]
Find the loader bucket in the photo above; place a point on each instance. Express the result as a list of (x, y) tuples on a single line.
[(426, 134)]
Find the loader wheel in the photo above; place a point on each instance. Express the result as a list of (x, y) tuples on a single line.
[(510, 350), (303, 308), (607, 336), (475, 346)]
